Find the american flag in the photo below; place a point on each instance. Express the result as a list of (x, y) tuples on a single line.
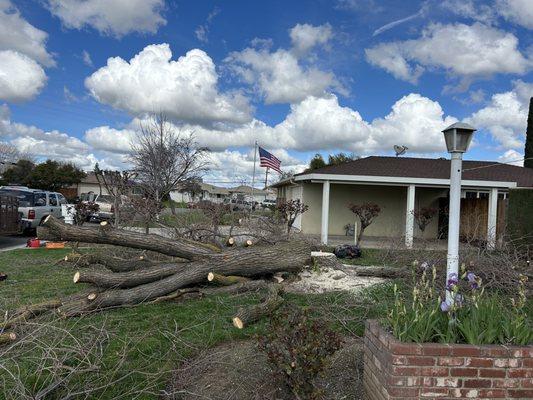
[(269, 160)]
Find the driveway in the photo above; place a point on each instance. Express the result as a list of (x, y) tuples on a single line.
[(12, 242)]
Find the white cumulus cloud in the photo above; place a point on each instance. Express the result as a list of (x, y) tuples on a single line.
[(19, 35), (185, 89), (114, 18), (305, 36), (21, 78), (466, 51), (517, 11), (505, 117)]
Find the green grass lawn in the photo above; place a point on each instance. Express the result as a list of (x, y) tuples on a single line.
[(132, 351)]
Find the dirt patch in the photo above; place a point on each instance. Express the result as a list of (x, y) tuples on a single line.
[(239, 371)]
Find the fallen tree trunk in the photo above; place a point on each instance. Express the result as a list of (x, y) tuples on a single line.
[(225, 280), (29, 312), (254, 313), (115, 264), (248, 262), (380, 272), (128, 279), (54, 229)]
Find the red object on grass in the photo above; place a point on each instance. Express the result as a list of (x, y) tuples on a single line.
[(33, 243)]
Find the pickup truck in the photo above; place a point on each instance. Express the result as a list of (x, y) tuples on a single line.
[(9, 215)]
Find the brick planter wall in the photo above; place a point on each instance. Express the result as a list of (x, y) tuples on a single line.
[(396, 370)]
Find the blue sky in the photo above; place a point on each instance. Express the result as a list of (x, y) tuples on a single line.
[(78, 77)]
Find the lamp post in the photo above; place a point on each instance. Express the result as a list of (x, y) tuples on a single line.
[(458, 137)]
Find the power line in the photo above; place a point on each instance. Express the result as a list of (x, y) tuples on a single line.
[(496, 164)]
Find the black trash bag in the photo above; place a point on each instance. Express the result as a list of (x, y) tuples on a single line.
[(347, 251)]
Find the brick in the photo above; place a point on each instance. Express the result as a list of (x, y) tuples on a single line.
[(493, 393), (492, 373), (405, 348), (495, 351), (506, 383), (528, 362), (465, 351), (464, 371), (447, 382), (465, 393), (403, 392), (405, 371), (420, 361), (520, 393), (506, 363), (525, 352), (520, 373), (436, 349), (434, 392), (398, 360), (477, 383), (451, 361), (427, 381), (479, 362), (526, 383), (434, 371)]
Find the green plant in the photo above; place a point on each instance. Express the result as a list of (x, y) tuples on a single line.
[(298, 348), (469, 314)]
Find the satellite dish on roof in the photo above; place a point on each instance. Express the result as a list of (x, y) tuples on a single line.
[(400, 150)]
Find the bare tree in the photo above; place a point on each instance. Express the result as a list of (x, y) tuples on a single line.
[(164, 157), (118, 184), (8, 153), (366, 212)]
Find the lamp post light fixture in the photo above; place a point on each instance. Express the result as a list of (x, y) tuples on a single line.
[(458, 137)]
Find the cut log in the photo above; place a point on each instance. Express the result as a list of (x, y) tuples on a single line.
[(128, 279), (53, 229), (230, 242), (380, 272), (6, 338), (225, 280), (29, 312), (249, 315), (248, 262), (248, 243)]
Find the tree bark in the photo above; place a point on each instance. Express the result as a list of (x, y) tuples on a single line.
[(29, 312), (380, 272), (6, 338), (225, 280), (248, 262), (128, 279), (54, 229), (251, 314)]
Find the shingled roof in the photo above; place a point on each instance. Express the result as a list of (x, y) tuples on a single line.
[(430, 168)]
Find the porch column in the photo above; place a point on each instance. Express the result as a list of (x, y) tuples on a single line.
[(409, 217), (325, 213), (492, 218)]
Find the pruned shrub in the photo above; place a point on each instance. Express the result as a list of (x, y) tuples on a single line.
[(366, 212), (298, 348)]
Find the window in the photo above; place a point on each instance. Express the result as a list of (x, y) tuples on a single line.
[(62, 199), (39, 199), (52, 199)]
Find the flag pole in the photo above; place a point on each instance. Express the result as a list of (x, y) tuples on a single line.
[(266, 177), (253, 175)]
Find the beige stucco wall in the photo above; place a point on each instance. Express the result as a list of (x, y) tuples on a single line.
[(90, 187), (391, 199)]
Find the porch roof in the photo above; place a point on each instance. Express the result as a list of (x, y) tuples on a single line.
[(421, 171)]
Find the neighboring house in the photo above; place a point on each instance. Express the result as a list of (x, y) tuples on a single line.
[(259, 194), (218, 194), (90, 184), (207, 192), (400, 185)]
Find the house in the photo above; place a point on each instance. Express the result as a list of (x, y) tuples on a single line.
[(401, 185), (90, 184), (206, 191), (218, 194)]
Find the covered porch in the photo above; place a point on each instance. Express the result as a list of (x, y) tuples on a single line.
[(329, 199)]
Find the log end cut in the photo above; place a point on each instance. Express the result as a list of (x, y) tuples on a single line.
[(76, 277), (237, 323)]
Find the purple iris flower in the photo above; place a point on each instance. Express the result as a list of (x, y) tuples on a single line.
[(459, 299), (444, 306), (472, 280), (452, 281)]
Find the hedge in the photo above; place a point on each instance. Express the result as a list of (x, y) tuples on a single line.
[(520, 215)]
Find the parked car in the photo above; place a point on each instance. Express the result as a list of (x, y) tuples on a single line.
[(34, 205), (268, 203), (106, 207)]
